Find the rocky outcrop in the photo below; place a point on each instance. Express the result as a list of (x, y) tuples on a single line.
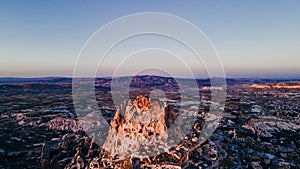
[(265, 129), (138, 129), (64, 124)]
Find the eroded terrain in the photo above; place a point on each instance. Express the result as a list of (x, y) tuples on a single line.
[(260, 126)]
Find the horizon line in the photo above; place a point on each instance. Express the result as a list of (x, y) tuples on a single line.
[(71, 77)]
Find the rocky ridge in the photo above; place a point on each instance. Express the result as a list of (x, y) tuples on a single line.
[(282, 85)]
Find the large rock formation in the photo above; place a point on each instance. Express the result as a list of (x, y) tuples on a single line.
[(138, 129)]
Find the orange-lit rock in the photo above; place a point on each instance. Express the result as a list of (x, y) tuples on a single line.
[(136, 126), (283, 85)]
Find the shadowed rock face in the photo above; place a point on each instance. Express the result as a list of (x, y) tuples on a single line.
[(138, 129)]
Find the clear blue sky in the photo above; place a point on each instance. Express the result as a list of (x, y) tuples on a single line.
[(253, 38)]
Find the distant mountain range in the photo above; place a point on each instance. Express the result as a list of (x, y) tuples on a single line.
[(201, 82)]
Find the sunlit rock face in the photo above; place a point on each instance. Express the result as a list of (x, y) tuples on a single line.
[(287, 85), (138, 129), (260, 86)]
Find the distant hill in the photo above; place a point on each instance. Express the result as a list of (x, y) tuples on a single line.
[(49, 80)]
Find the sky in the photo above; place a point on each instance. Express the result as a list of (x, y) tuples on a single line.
[(253, 38)]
